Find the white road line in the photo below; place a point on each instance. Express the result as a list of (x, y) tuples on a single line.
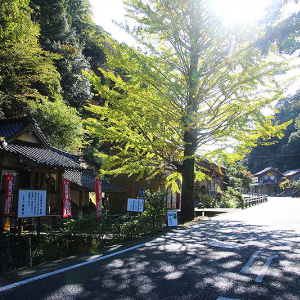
[(264, 269), (13, 285), (245, 269), (23, 282), (223, 298)]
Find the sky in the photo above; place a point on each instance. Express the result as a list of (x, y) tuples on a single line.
[(107, 11)]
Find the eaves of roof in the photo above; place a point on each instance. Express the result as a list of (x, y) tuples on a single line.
[(11, 129), (86, 179), (266, 183), (42, 156), (291, 172), (267, 170)]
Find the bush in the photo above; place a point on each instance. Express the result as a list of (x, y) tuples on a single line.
[(231, 198), (155, 206), (86, 234), (284, 185), (228, 199), (207, 201)]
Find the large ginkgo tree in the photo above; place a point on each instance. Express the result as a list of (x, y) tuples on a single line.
[(192, 83)]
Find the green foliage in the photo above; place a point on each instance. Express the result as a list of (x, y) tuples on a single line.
[(207, 201), (282, 30), (60, 123), (68, 31), (296, 184), (231, 198), (184, 92), (128, 228), (285, 184), (238, 177), (67, 225), (27, 71), (284, 153), (155, 206)]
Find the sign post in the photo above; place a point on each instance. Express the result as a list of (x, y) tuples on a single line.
[(32, 203), (172, 218), (135, 205)]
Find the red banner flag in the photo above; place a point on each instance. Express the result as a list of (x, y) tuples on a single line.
[(9, 187), (98, 191), (66, 199)]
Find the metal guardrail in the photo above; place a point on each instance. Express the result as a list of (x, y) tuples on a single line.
[(253, 200)]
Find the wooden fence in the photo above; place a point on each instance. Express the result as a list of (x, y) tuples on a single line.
[(253, 200)]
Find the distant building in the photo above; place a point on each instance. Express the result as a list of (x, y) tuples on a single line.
[(292, 175), (267, 181)]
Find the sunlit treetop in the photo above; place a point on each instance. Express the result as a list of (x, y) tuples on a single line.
[(241, 11)]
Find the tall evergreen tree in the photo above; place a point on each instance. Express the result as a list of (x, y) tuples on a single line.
[(27, 71), (58, 36)]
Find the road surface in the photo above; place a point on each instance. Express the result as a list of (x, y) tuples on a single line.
[(245, 255)]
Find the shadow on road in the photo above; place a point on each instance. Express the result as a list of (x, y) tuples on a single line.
[(184, 265)]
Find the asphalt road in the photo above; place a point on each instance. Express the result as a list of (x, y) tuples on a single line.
[(249, 254)]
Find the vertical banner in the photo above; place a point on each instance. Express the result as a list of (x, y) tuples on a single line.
[(98, 191), (9, 187), (66, 199)]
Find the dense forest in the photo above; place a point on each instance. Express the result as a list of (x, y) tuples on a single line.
[(46, 44), (44, 47), (284, 154)]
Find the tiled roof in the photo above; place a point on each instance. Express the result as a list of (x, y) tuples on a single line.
[(43, 156), (268, 169), (86, 179), (10, 129), (270, 183), (291, 172)]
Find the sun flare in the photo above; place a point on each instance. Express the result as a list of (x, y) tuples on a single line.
[(245, 11)]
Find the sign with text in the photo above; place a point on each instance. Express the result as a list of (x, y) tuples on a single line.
[(172, 218), (135, 205), (32, 204), (98, 191), (9, 188)]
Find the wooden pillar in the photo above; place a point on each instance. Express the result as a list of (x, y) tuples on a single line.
[(80, 204), (32, 178), (59, 193)]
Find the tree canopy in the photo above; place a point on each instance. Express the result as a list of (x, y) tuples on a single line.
[(283, 153), (27, 71), (197, 82), (44, 46)]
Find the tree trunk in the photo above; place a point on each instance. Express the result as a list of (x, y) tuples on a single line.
[(190, 135), (187, 195), (187, 171)]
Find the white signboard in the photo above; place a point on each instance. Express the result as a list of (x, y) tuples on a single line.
[(135, 205), (172, 218), (31, 204)]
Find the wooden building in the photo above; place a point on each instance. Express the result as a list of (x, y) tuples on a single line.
[(118, 202), (292, 175), (267, 181), (26, 153)]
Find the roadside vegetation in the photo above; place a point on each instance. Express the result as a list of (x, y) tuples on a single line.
[(72, 237)]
